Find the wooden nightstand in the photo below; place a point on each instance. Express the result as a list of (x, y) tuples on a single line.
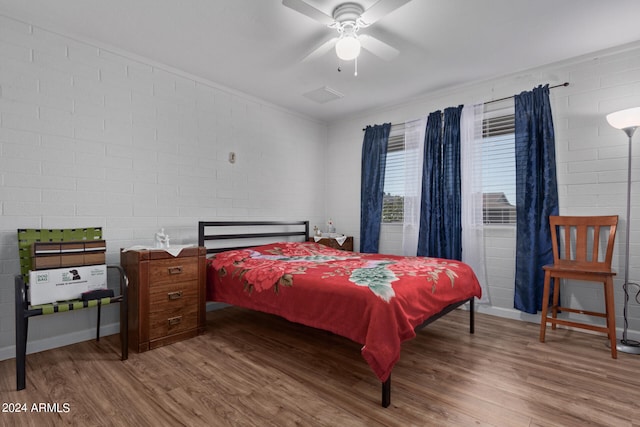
[(166, 296), (333, 243)]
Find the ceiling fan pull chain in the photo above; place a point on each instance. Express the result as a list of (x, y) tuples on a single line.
[(356, 71)]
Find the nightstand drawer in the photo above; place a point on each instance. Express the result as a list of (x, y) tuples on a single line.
[(172, 270), (172, 321), (169, 295)]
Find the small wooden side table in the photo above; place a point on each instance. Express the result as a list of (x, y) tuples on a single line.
[(166, 296)]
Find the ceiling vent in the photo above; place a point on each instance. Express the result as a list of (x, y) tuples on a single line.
[(323, 95)]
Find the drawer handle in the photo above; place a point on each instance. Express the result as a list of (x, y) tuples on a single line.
[(174, 320), (175, 270), (174, 295)]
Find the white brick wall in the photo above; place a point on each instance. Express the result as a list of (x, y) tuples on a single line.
[(591, 164), (91, 137)]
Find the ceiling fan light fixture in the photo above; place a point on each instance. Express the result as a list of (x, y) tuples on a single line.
[(348, 47)]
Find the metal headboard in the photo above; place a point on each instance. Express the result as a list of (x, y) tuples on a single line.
[(248, 231)]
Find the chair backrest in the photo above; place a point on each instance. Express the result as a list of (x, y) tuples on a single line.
[(577, 240)]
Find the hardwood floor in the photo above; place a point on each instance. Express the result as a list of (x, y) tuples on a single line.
[(254, 369)]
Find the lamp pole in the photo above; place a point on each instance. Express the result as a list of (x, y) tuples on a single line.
[(628, 121), (626, 345)]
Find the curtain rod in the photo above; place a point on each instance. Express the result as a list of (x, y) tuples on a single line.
[(565, 84)]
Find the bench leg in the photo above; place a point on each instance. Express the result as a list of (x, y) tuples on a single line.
[(21, 352), (22, 328), (98, 327)]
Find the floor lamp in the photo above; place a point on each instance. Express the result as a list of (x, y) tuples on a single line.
[(628, 121)]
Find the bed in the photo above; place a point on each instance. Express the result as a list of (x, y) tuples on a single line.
[(376, 300)]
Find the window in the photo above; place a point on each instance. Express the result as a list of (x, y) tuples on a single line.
[(498, 170), (393, 201)]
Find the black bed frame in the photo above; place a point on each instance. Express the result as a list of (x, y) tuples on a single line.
[(302, 228)]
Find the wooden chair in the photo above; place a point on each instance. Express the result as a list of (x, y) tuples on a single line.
[(576, 255)]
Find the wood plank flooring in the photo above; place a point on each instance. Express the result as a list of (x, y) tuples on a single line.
[(252, 369)]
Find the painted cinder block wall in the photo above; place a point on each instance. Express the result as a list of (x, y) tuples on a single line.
[(591, 164), (94, 137)]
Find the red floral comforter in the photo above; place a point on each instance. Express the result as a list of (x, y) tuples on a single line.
[(373, 299)]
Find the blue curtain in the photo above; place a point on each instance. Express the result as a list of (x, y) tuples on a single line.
[(430, 233), (440, 232), (374, 156), (536, 195)]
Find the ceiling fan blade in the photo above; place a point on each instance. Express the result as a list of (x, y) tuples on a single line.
[(308, 10), (380, 9), (321, 50), (378, 47)]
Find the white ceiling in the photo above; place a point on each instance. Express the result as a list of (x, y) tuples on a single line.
[(255, 46)]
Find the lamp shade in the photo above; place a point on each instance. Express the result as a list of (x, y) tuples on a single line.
[(624, 119), (348, 48)]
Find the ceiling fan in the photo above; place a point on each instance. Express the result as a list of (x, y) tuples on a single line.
[(348, 18)]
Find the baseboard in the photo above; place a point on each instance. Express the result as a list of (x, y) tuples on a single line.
[(512, 313), (212, 306), (61, 340), (76, 337), (114, 328)]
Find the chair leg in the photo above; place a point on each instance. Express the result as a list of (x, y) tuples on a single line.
[(545, 305), (611, 315), (556, 300)]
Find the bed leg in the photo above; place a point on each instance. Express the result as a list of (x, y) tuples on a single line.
[(386, 392), (472, 315)]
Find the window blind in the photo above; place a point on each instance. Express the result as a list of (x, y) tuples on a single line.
[(498, 166)]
